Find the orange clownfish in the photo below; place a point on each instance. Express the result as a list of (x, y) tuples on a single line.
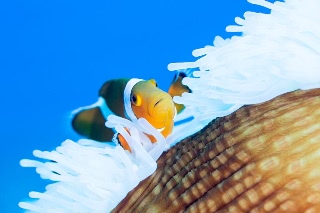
[(127, 98)]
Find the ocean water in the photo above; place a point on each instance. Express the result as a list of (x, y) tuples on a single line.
[(55, 55)]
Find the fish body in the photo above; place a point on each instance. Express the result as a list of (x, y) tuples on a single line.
[(127, 98)]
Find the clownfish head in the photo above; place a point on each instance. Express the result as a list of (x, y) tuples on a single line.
[(143, 99)]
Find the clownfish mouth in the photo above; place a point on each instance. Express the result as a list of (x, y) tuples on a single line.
[(161, 99), (158, 102), (160, 129)]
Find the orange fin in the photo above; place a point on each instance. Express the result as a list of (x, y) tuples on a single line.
[(123, 143), (177, 88), (91, 123)]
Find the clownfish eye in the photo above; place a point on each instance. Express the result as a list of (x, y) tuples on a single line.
[(135, 99)]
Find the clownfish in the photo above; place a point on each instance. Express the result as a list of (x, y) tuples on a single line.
[(127, 98), (132, 99)]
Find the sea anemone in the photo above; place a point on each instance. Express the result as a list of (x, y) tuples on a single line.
[(260, 158), (259, 153), (277, 53)]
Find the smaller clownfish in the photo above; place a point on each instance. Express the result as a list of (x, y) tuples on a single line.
[(177, 88), (127, 98)]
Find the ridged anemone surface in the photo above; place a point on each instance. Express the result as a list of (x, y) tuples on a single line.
[(261, 158)]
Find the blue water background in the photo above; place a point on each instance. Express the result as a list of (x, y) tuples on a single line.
[(55, 55)]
